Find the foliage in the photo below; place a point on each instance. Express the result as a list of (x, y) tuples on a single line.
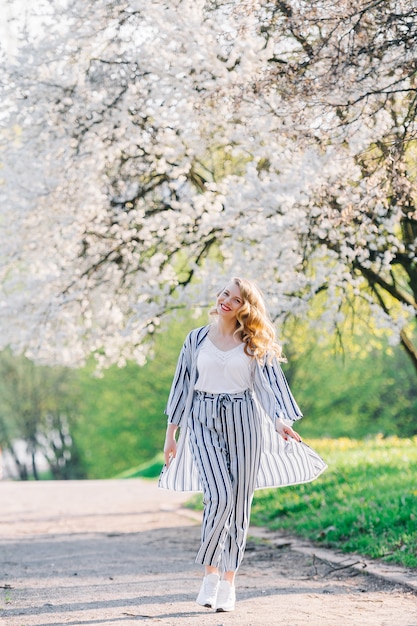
[(88, 426), (118, 199), (39, 406), (123, 422), (366, 501), (354, 395)]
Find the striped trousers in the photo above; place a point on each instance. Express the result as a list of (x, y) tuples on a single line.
[(225, 441)]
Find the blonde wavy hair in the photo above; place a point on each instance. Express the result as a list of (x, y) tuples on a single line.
[(254, 324)]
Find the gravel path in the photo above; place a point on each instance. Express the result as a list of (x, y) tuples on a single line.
[(117, 553)]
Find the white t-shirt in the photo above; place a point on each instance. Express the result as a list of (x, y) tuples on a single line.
[(223, 371)]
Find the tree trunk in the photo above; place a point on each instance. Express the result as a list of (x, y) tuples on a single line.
[(410, 349), (34, 468)]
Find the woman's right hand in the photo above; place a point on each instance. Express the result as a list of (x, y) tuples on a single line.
[(286, 431), (170, 447)]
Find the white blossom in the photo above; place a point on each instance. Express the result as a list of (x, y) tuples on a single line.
[(147, 144)]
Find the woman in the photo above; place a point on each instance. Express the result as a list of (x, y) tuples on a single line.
[(234, 409)]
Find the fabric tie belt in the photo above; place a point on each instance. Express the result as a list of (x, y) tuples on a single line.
[(220, 399)]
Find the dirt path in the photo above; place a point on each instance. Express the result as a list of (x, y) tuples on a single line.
[(117, 553)]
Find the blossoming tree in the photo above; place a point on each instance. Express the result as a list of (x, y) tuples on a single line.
[(149, 149)]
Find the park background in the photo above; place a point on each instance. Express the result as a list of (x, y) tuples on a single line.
[(149, 151)]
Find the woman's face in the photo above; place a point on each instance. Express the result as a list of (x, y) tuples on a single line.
[(229, 301)]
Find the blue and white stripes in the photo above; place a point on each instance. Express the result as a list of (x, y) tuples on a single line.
[(226, 443)]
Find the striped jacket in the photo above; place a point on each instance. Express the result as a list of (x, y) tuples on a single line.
[(282, 462)]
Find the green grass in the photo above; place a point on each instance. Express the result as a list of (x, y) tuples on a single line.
[(366, 501), (151, 469)]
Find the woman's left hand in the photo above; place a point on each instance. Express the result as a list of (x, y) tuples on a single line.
[(286, 431)]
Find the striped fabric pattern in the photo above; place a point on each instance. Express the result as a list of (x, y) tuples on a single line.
[(282, 462), (226, 444)]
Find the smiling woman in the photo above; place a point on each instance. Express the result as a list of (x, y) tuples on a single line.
[(234, 408)]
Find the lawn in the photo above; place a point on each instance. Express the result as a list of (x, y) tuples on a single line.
[(365, 502)]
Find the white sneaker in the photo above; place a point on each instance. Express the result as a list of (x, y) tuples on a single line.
[(226, 597), (208, 591)]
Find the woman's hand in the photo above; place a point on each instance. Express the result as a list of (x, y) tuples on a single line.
[(170, 447), (286, 431)]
